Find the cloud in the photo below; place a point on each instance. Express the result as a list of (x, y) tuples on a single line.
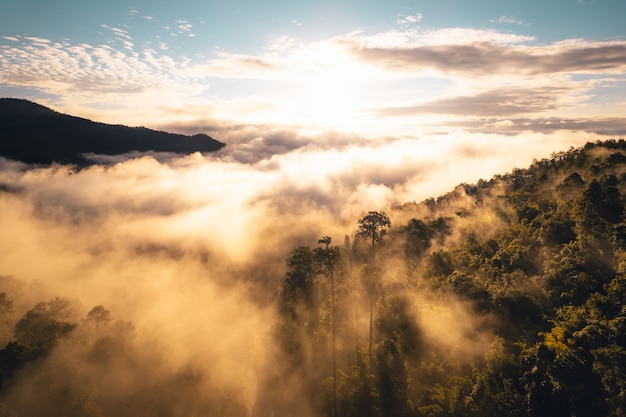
[(614, 127), (94, 73), (121, 34), (413, 38), (36, 40), (328, 85), (184, 27), (501, 102), (191, 249), (487, 58), (281, 43), (416, 18), (285, 58), (509, 20)]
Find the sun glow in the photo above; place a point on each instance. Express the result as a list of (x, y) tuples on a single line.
[(330, 92), (327, 98)]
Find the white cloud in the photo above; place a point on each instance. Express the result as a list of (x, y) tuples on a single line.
[(509, 20), (84, 74), (416, 18), (120, 33), (36, 40), (184, 27), (280, 43), (432, 37)]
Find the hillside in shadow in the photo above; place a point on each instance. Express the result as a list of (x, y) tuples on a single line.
[(35, 134)]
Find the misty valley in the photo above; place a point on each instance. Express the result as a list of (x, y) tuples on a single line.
[(157, 288)]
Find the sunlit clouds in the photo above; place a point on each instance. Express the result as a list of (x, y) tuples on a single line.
[(339, 83)]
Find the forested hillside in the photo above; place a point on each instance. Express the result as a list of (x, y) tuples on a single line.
[(501, 298)]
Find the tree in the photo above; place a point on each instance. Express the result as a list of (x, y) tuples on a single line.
[(327, 257), (299, 280), (44, 324), (373, 227), (357, 391), (6, 310), (370, 279), (391, 383), (35, 335), (99, 315)]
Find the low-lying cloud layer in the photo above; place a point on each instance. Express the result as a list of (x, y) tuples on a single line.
[(235, 203), (191, 249)]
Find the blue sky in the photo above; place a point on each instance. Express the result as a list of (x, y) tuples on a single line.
[(245, 25)]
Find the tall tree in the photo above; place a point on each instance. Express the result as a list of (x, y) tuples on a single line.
[(99, 315), (370, 279), (373, 227), (328, 257)]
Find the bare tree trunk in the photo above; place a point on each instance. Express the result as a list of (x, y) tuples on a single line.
[(371, 328), (334, 334)]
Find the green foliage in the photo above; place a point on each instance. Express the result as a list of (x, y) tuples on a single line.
[(420, 235), (551, 277)]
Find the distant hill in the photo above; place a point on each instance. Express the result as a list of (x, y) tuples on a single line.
[(35, 134)]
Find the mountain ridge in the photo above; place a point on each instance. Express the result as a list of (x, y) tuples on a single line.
[(35, 134)]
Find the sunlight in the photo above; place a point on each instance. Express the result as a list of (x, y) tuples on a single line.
[(327, 98), (329, 94)]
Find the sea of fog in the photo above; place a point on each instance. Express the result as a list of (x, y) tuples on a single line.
[(191, 249)]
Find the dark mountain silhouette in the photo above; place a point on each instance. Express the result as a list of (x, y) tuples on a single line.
[(35, 134)]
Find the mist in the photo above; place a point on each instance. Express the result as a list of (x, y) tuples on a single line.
[(187, 253)]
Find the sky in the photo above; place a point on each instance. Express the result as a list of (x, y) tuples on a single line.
[(366, 67)]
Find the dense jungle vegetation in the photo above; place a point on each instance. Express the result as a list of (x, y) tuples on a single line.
[(501, 298)]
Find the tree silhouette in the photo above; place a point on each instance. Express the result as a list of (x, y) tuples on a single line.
[(327, 257), (99, 315), (370, 279), (373, 227)]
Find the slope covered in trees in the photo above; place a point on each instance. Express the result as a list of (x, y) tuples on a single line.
[(501, 298), (506, 297)]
